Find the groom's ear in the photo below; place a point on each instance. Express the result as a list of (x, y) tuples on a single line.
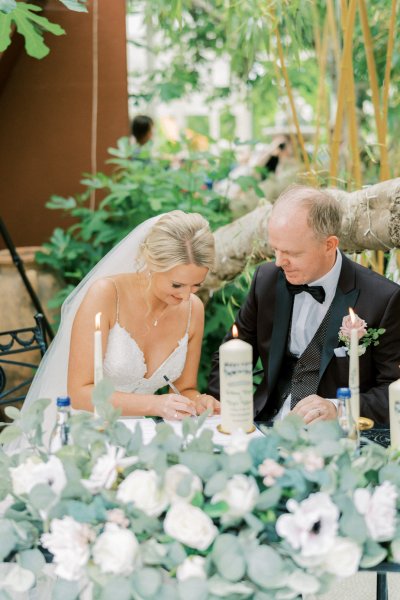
[(332, 243)]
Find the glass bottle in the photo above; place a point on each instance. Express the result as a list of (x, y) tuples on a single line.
[(343, 396), (61, 433)]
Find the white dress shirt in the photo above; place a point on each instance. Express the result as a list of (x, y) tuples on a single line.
[(308, 315)]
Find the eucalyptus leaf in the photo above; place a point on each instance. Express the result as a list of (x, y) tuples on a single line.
[(147, 582), (42, 496), (65, 590), (193, 588), (227, 554), (373, 554), (118, 588), (265, 567), (32, 560), (8, 539)]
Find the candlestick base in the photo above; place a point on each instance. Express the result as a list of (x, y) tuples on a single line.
[(219, 427), (364, 423)]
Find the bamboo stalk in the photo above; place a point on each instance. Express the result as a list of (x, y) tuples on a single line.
[(388, 67), (369, 52), (293, 139), (351, 108), (321, 96), (291, 101), (335, 36), (347, 51)]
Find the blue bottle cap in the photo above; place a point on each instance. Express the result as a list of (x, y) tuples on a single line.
[(63, 401), (343, 392)]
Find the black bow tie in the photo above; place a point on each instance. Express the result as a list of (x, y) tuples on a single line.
[(316, 291)]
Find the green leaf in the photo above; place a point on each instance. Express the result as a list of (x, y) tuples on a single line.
[(6, 6), (32, 560), (5, 31), (42, 496), (228, 557), (75, 5), (12, 411), (8, 539), (147, 582), (193, 588), (26, 22), (216, 483), (118, 588), (65, 590), (265, 567), (373, 554), (10, 434), (269, 498)]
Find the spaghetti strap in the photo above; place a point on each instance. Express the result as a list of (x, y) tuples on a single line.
[(116, 290), (190, 315)]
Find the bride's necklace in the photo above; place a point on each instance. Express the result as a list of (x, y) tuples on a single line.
[(157, 319)]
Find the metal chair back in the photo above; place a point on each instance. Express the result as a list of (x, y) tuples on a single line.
[(21, 351)]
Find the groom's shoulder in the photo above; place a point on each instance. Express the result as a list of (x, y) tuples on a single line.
[(267, 273)]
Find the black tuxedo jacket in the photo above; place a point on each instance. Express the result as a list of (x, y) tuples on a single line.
[(264, 320)]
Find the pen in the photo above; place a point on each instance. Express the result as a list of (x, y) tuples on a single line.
[(171, 385)]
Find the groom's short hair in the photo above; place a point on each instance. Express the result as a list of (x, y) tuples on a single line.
[(325, 213)]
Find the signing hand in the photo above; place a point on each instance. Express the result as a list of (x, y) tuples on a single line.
[(314, 408), (205, 402), (174, 407)]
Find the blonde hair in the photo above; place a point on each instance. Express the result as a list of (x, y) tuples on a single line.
[(324, 211), (178, 238)]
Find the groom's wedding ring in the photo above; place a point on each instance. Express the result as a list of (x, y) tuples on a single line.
[(176, 415)]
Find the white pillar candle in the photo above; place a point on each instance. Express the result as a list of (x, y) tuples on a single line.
[(236, 385), (354, 377), (394, 414), (98, 351)]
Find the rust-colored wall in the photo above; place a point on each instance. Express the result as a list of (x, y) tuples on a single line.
[(46, 115)]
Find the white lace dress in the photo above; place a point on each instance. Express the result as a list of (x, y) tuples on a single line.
[(124, 363)]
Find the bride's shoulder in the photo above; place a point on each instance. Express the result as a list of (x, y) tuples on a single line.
[(109, 286)]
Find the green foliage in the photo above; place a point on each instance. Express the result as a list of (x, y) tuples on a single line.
[(31, 25), (270, 548)]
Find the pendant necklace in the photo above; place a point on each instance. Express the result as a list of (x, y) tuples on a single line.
[(155, 322)]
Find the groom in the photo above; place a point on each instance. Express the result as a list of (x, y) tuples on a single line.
[(295, 308)]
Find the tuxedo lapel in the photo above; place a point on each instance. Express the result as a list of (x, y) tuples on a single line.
[(279, 337), (345, 297)]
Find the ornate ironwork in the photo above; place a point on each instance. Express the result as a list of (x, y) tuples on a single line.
[(13, 343)]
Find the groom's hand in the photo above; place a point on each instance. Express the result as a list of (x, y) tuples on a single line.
[(205, 402), (315, 408)]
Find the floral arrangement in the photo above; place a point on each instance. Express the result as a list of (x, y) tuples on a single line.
[(179, 517), (366, 336)]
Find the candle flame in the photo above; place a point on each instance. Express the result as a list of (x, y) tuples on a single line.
[(352, 315), (235, 332), (97, 320)]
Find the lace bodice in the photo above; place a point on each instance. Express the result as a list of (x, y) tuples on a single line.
[(125, 365)]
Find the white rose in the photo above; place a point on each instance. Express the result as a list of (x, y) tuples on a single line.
[(34, 471), (343, 558), (240, 493), (379, 510), (190, 526), (105, 470), (143, 489), (192, 566), (116, 550), (173, 478), (68, 541)]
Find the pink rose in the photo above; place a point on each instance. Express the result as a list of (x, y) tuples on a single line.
[(347, 325)]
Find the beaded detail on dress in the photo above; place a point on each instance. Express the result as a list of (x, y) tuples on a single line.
[(124, 363)]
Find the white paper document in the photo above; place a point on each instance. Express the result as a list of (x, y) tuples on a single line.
[(148, 427)]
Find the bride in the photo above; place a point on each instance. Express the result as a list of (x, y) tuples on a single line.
[(151, 322)]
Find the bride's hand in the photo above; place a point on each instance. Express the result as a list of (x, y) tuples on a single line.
[(175, 407), (205, 402)]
